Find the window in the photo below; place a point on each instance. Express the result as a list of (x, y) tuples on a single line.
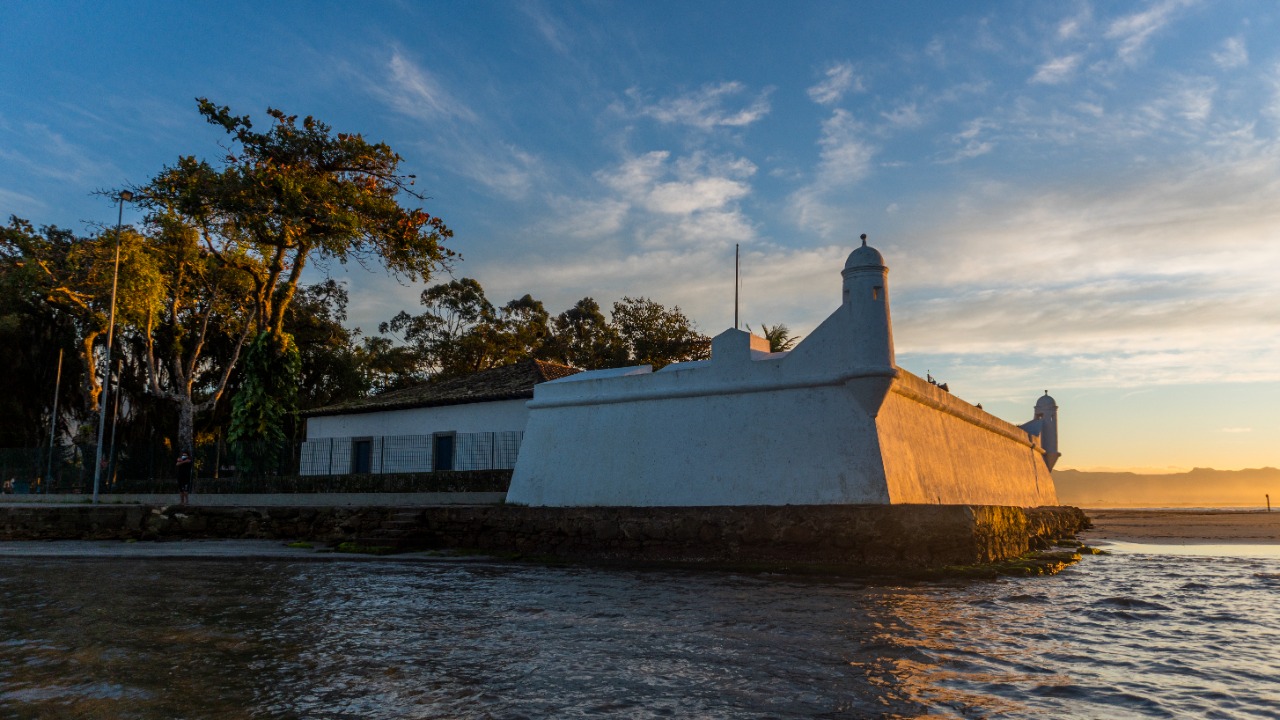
[(442, 451), (877, 293), (362, 456)]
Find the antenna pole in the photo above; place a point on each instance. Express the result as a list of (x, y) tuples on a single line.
[(735, 286)]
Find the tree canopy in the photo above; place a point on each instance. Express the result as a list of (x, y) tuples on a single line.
[(280, 199), (461, 332), (296, 193), (217, 265)]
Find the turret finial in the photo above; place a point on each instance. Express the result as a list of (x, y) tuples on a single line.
[(864, 239)]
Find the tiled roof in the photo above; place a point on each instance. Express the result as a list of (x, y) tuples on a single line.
[(509, 382)]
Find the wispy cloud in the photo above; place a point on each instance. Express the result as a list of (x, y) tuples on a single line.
[(1195, 100), (1233, 54), (726, 104), (462, 140), (971, 149), (1132, 32), (975, 127), (1074, 26), (47, 153), (844, 161), (414, 91), (1184, 106), (694, 184), (502, 168), (1091, 109), (658, 224), (587, 218), (1272, 108), (1057, 70), (19, 204), (846, 158), (699, 184), (549, 28), (838, 80), (906, 115), (970, 141)]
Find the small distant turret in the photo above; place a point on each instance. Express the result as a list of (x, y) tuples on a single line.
[(866, 299), (1047, 415)]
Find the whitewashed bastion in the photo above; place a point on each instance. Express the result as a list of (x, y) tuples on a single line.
[(833, 421)]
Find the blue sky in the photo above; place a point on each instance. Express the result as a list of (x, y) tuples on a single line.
[(1083, 197)]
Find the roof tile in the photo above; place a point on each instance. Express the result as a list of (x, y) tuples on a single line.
[(509, 382)]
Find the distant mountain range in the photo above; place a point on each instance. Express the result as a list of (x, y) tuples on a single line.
[(1201, 487)]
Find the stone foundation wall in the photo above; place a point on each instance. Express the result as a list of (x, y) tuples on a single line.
[(871, 537)]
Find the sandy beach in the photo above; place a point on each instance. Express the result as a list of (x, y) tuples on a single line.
[(1245, 527)]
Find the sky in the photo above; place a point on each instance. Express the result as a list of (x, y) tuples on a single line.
[(1072, 196)]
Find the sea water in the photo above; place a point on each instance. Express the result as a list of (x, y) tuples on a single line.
[(204, 634)]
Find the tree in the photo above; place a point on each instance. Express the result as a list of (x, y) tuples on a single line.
[(524, 329), (461, 332), (264, 407), (583, 337), (72, 276), (387, 366), (332, 367), (779, 337), (298, 193), (199, 297), (294, 194), (656, 336), (448, 336), (27, 384)]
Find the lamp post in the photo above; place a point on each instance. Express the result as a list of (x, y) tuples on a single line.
[(125, 196), (53, 425)]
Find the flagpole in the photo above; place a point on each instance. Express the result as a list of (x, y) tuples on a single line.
[(735, 286)]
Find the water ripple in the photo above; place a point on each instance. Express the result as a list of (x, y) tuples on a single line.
[(1122, 636)]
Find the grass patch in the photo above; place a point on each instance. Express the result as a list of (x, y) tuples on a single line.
[(301, 544)]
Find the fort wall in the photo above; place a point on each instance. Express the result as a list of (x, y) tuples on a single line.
[(940, 449), (797, 446)]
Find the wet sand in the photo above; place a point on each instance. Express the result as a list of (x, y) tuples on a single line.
[(1242, 527)]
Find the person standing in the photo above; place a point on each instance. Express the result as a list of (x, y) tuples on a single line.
[(184, 477)]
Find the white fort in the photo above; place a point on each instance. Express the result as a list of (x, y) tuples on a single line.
[(833, 421)]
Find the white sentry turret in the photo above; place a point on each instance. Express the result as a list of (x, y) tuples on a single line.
[(866, 299), (1047, 415)]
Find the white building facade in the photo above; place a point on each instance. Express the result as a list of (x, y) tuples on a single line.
[(471, 423)]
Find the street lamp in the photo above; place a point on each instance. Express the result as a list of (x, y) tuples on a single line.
[(125, 196)]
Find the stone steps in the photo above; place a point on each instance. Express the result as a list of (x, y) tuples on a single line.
[(402, 531)]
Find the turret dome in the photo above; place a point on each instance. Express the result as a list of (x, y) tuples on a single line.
[(1046, 401), (865, 256)]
